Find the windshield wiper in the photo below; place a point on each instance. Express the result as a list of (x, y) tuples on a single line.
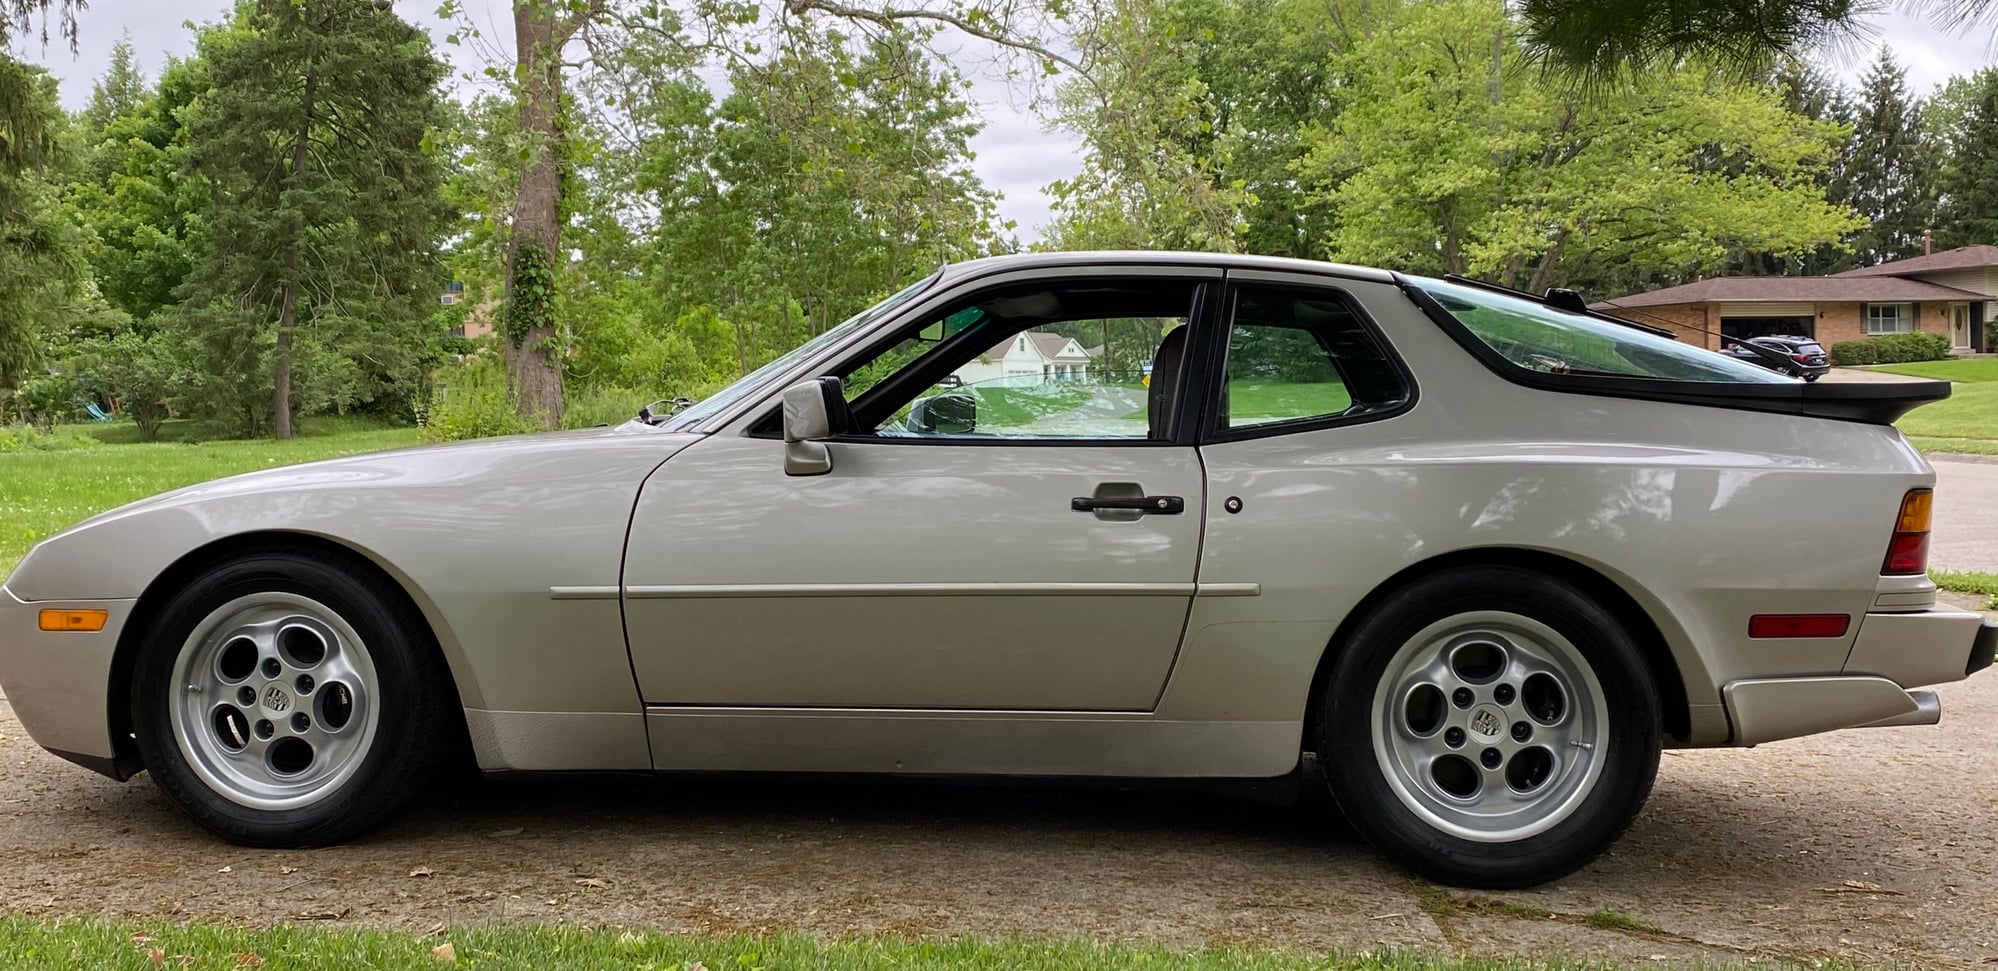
[(647, 416)]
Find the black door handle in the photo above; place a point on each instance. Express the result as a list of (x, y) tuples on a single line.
[(1156, 505)]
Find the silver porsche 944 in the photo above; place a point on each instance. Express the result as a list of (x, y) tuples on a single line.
[(1467, 558)]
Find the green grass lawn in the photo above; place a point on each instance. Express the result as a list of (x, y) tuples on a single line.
[(1967, 421), (1252, 400), (34, 945), (43, 492)]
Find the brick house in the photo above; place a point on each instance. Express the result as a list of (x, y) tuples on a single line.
[(1953, 293)]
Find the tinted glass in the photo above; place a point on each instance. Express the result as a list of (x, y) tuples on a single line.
[(1537, 337), (1298, 355)]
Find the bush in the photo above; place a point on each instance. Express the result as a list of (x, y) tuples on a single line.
[(1891, 349), (28, 438), (602, 406), (471, 401)]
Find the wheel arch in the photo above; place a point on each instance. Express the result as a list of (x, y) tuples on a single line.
[(1667, 667), (182, 571)]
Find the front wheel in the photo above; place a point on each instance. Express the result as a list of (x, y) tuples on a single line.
[(1490, 727), (289, 700)]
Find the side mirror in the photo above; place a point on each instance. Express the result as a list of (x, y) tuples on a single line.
[(814, 410), (954, 412)]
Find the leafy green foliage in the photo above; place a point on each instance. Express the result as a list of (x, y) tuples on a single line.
[(1889, 168), (1891, 349), (471, 401), (1607, 41), (319, 260), (1444, 163), (28, 438), (531, 297)]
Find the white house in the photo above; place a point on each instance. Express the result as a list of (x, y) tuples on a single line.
[(1031, 357)]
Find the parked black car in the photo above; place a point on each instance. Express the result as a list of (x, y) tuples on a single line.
[(1799, 357)]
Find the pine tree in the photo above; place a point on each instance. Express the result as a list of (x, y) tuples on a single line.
[(325, 207), (1969, 181), (118, 93), (1889, 169)]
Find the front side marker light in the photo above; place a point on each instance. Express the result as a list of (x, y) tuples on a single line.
[(75, 621)]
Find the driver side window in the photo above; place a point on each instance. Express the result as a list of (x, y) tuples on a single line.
[(1071, 361)]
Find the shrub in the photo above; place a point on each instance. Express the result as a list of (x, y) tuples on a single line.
[(470, 400), (28, 438), (1891, 349), (602, 406)]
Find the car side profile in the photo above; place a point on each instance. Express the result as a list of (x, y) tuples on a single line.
[(1466, 558), (1798, 357)]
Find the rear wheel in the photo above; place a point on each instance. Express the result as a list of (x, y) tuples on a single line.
[(1491, 727), (289, 700)]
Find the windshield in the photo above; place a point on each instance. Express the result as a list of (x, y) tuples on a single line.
[(1540, 338), (748, 383)]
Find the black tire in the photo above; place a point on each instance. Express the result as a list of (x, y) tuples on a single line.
[(1812, 377), (1359, 782), (417, 727)]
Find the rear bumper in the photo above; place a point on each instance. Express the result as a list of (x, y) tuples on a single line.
[(58, 683), (1892, 654)]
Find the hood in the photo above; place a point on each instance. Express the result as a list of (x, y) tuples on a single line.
[(445, 465)]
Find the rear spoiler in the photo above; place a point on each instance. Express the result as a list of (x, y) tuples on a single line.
[(1875, 404)]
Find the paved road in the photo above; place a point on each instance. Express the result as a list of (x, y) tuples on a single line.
[(1965, 532)]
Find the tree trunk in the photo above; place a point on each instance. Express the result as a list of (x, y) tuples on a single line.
[(288, 308), (533, 358)]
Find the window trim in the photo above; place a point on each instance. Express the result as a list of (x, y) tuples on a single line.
[(1910, 318), (1201, 307), (1216, 365)]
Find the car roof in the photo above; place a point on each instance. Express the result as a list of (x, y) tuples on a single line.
[(1055, 261), (1786, 338)]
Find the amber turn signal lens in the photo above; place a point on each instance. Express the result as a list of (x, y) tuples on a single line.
[(1915, 508), (83, 621)]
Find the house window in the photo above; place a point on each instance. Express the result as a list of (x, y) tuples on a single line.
[(1890, 318)]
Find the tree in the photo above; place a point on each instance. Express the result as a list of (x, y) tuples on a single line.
[(39, 268), (1442, 158), (1969, 180), (1889, 169), (325, 203), (117, 93)]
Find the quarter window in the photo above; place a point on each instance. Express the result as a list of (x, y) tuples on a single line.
[(1890, 318), (1302, 355)]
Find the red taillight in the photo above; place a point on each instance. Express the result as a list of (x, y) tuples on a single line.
[(1907, 555), (1908, 550), (1798, 625), (1801, 358)]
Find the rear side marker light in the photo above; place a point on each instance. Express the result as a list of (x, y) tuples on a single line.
[(1798, 625), (76, 621), (1908, 550)]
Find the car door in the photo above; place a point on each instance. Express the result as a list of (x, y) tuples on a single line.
[(990, 555)]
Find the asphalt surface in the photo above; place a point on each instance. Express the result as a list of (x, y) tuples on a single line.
[(1964, 535)]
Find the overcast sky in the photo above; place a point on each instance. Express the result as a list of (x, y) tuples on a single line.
[(1015, 155)]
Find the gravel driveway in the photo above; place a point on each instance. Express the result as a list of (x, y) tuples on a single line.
[(1867, 844)]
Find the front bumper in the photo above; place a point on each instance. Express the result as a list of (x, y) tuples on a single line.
[(1892, 654), (58, 683)]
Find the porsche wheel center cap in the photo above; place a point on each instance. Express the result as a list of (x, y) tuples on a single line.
[(1487, 722), (277, 701)]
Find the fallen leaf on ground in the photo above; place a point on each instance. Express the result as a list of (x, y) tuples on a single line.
[(155, 955), (140, 937), (323, 914), (445, 952), (250, 961), (592, 883), (435, 929), (287, 870), (227, 869), (422, 871)]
